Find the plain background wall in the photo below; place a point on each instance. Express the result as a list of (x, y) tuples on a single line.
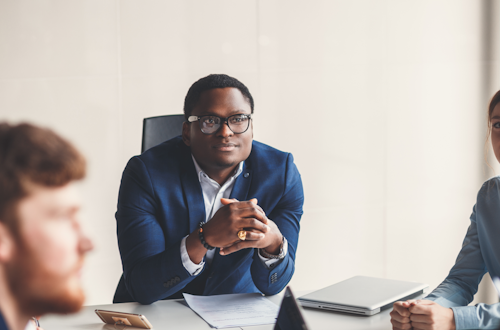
[(382, 104)]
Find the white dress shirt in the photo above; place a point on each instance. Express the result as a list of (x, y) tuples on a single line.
[(212, 193), (30, 326)]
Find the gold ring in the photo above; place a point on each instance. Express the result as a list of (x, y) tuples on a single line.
[(242, 235)]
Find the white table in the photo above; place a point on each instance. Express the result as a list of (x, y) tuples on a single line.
[(175, 314)]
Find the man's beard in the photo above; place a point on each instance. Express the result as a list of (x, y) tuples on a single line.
[(37, 290)]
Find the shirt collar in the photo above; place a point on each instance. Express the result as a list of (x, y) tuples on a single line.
[(199, 171)]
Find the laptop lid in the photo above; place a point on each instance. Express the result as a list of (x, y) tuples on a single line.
[(290, 315), (362, 295)]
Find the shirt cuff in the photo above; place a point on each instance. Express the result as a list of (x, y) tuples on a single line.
[(465, 317), (271, 263), (442, 301), (191, 267)]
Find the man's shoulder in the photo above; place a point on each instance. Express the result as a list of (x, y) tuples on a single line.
[(268, 159), (261, 149), (490, 192), (170, 150), (167, 158)]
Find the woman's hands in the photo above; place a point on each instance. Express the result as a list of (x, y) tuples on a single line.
[(421, 315)]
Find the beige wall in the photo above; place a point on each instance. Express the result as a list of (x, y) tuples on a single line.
[(381, 103)]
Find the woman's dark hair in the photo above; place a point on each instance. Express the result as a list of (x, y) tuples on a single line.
[(493, 103)]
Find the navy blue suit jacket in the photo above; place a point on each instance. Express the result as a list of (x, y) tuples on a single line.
[(161, 201), (3, 326)]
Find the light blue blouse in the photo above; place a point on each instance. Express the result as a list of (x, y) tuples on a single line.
[(480, 254)]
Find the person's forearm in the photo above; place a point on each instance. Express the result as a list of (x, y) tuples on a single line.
[(271, 281), (481, 316), (157, 277)]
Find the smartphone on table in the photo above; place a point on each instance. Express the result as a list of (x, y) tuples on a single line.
[(119, 318)]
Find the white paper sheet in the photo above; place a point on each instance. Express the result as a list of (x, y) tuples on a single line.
[(233, 310)]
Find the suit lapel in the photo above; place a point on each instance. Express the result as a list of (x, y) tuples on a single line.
[(192, 192), (242, 184)]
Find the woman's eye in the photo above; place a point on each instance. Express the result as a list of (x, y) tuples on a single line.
[(496, 125)]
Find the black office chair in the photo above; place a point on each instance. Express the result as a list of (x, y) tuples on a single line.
[(156, 130)]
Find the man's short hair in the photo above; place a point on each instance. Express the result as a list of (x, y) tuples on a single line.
[(210, 82), (33, 155)]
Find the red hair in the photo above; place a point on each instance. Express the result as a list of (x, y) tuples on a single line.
[(33, 155)]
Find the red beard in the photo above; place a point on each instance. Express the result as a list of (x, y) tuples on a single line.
[(37, 290)]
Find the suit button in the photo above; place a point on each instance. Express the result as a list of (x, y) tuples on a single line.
[(246, 175)]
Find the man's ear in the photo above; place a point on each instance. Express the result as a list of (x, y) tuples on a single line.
[(186, 133), (6, 243)]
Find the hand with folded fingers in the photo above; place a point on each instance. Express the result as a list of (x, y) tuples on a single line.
[(400, 315), (248, 237), (428, 315), (235, 216), (235, 226), (421, 315)]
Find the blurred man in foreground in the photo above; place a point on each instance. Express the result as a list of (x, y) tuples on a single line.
[(41, 242)]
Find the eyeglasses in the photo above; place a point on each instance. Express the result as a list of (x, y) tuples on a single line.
[(211, 124)]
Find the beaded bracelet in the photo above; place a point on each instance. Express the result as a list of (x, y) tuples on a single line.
[(202, 238)]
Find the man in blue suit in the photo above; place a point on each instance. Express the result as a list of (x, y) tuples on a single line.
[(211, 212)]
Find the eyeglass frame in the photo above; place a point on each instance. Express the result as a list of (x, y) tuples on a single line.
[(224, 120)]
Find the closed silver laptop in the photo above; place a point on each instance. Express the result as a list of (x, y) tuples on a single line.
[(362, 295)]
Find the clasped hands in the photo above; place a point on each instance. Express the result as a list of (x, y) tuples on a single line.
[(222, 230), (421, 315)]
